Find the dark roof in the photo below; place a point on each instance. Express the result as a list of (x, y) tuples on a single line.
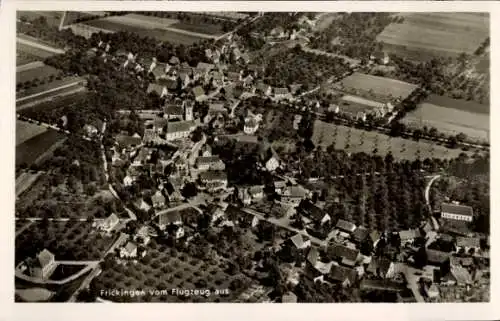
[(128, 141), (173, 109), (384, 285), (202, 160), (340, 274), (345, 226), (468, 241), (344, 252), (179, 126), (456, 209), (169, 217), (168, 82), (379, 264), (213, 175), (309, 209), (360, 234), (281, 91), (464, 261), (437, 257)]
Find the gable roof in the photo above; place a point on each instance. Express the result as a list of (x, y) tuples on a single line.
[(461, 275), (198, 91), (169, 217), (344, 252), (179, 126), (313, 256), (174, 60), (457, 209), (45, 257), (207, 160), (130, 247), (463, 261), (468, 241), (298, 240), (173, 109), (168, 82), (409, 234), (311, 210), (341, 274), (379, 264), (204, 66), (281, 91), (128, 141), (438, 257), (345, 226), (360, 234), (112, 219)]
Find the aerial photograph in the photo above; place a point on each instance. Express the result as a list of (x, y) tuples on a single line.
[(251, 157)]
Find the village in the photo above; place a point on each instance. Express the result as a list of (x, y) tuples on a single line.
[(197, 171)]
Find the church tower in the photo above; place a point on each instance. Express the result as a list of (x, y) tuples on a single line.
[(188, 110)]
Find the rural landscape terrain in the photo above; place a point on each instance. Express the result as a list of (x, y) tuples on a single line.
[(252, 157)]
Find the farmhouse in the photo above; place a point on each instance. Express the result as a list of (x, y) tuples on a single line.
[(205, 163), (43, 265), (381, 267), (199, 93), (298, 241), (251, 125), (129, 250), (408, 236), (179, 130), (282, 93), (173, 111), (294, 194), (214, 179), (468, 243), (343, 275), (158, 200), (308, 209), (109, 223), (167, 218), (343, 254), (456, 212), (345, 226)]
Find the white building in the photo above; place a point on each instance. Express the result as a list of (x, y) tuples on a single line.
[(456, 212)]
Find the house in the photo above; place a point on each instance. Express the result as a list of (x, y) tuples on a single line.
[(381, 267), (270, 159), (174, 61), (179, 130), (172, 84), (199, 93), (142, 235), (173, 111), (343, 275), (360, 234), (374, 237), (456, 212), (432, 291), (279, 186), (293, 195), (315, 266), (299, 243), (127, 142), (176, 231), (437, 258), (461, 261), (251, 125), (289, 297), (217, 78), (157, 89), (256, 192), (345, 255), (408, 236), (158, 199), (461, 275), (380, 57), (129, 250), (159, 72), (468, 243), (90, 130), (43, 266), (128, 180), (345, 226), (142, 205), (281, 93), (109, 223), (308, 209), (214, 179), (205, 163), (234, 76), (167, 218), (263, 89), (244, 196)]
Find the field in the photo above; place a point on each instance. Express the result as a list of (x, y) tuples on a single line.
[(208, 29), (39, 73), (24, 181), (166, 271), (23, 58), (26, 130), (33, 52), (65, 82), (42, 98), (446, 34), (30, 107), (354, 140), (452, 117), (53, 18), (146, 26), (377, 86), (36, 148)]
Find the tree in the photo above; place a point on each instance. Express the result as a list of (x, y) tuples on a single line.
[(189, 190)]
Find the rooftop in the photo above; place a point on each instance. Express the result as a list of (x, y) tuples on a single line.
[(456, 209)]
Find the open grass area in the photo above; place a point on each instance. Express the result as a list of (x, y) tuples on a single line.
[(64, 271), (451, 116), (53, 18), (36, 148), (203, 28), (355, 140), (71, 240), (36, 74), (157, 33), (64, 82), (26, 130), (447, 34), (377, 86), (34, 52), (162, 269)]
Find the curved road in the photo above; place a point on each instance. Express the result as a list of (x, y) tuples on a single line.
[(427, 200)]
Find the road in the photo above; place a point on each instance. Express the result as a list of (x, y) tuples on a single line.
[(435, 223), (411, 278), (35, 44), (178, 208), (85, 284), (75, 276), (22, 229)]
